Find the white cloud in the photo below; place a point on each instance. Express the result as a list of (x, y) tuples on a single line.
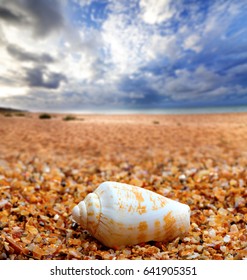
[(7, 91), (123, 44), (83, 2), (136, 95), (208, 34), (130, 45), (239, 69), (162, 46), (156, 11), (193, 43), (220, 16)]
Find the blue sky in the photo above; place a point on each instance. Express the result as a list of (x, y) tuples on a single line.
[(65, 55)]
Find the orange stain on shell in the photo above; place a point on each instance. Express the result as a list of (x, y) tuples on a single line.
[(97, 205), (158, 202), (157, 224), (182, 229), (131, 208), (157, 229), (98, 217), (169, 226), (142, 226), (121, 204), (169, 219), (141, 209), (138, 195), (141, 237)]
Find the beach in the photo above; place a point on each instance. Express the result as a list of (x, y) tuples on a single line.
[(47, 166)]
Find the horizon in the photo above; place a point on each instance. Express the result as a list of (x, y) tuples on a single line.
[(77, 55), (144, 111)]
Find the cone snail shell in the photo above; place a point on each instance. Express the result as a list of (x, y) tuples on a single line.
[(118, 214)]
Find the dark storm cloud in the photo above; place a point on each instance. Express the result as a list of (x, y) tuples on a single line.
[(42, 78), (139, 92), (22, 55), (9, 16), (47, 15), (41, 16)]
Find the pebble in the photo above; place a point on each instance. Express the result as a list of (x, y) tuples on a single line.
[(194, 225), (37, 187), (75, 172), (194, 240), (211, 233), (222, 211), (190, 172), (63, 183), (199, 248), (239, 201), (186, 239), (227, 238), (56, 217), (46, 169), (223, 249), (182, 178), (234, 228), (241, 183), (233, 182), (193, 256), (3, 202)]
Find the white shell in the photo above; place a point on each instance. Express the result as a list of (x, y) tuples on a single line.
[(118, 214)]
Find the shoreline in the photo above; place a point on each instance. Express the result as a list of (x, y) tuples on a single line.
[(165, 111)]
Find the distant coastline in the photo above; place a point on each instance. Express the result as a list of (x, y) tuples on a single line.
[(170, 111), (11, 110), (166, 111)]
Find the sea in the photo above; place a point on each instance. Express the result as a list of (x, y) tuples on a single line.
[(170, 111)]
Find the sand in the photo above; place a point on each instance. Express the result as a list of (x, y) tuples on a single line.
[(56, 163)]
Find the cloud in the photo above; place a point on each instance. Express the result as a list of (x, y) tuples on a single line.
[(83, 2), (181, 86), (46, 15), (130, 45), (23, 55), (192, 85), (122, 43), (88, 53), (163, 46), (156, 11), (42, 16), (238, 69), (198, 86), (40, 77), (9, 16), (192, 43)]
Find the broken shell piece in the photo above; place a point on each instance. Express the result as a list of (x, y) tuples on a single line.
[(118, 214), (182, 178)]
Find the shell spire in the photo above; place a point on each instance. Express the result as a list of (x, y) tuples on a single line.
[(79, 214), (118, 214)]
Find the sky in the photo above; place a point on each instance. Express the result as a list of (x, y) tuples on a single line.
[(72, 55)]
